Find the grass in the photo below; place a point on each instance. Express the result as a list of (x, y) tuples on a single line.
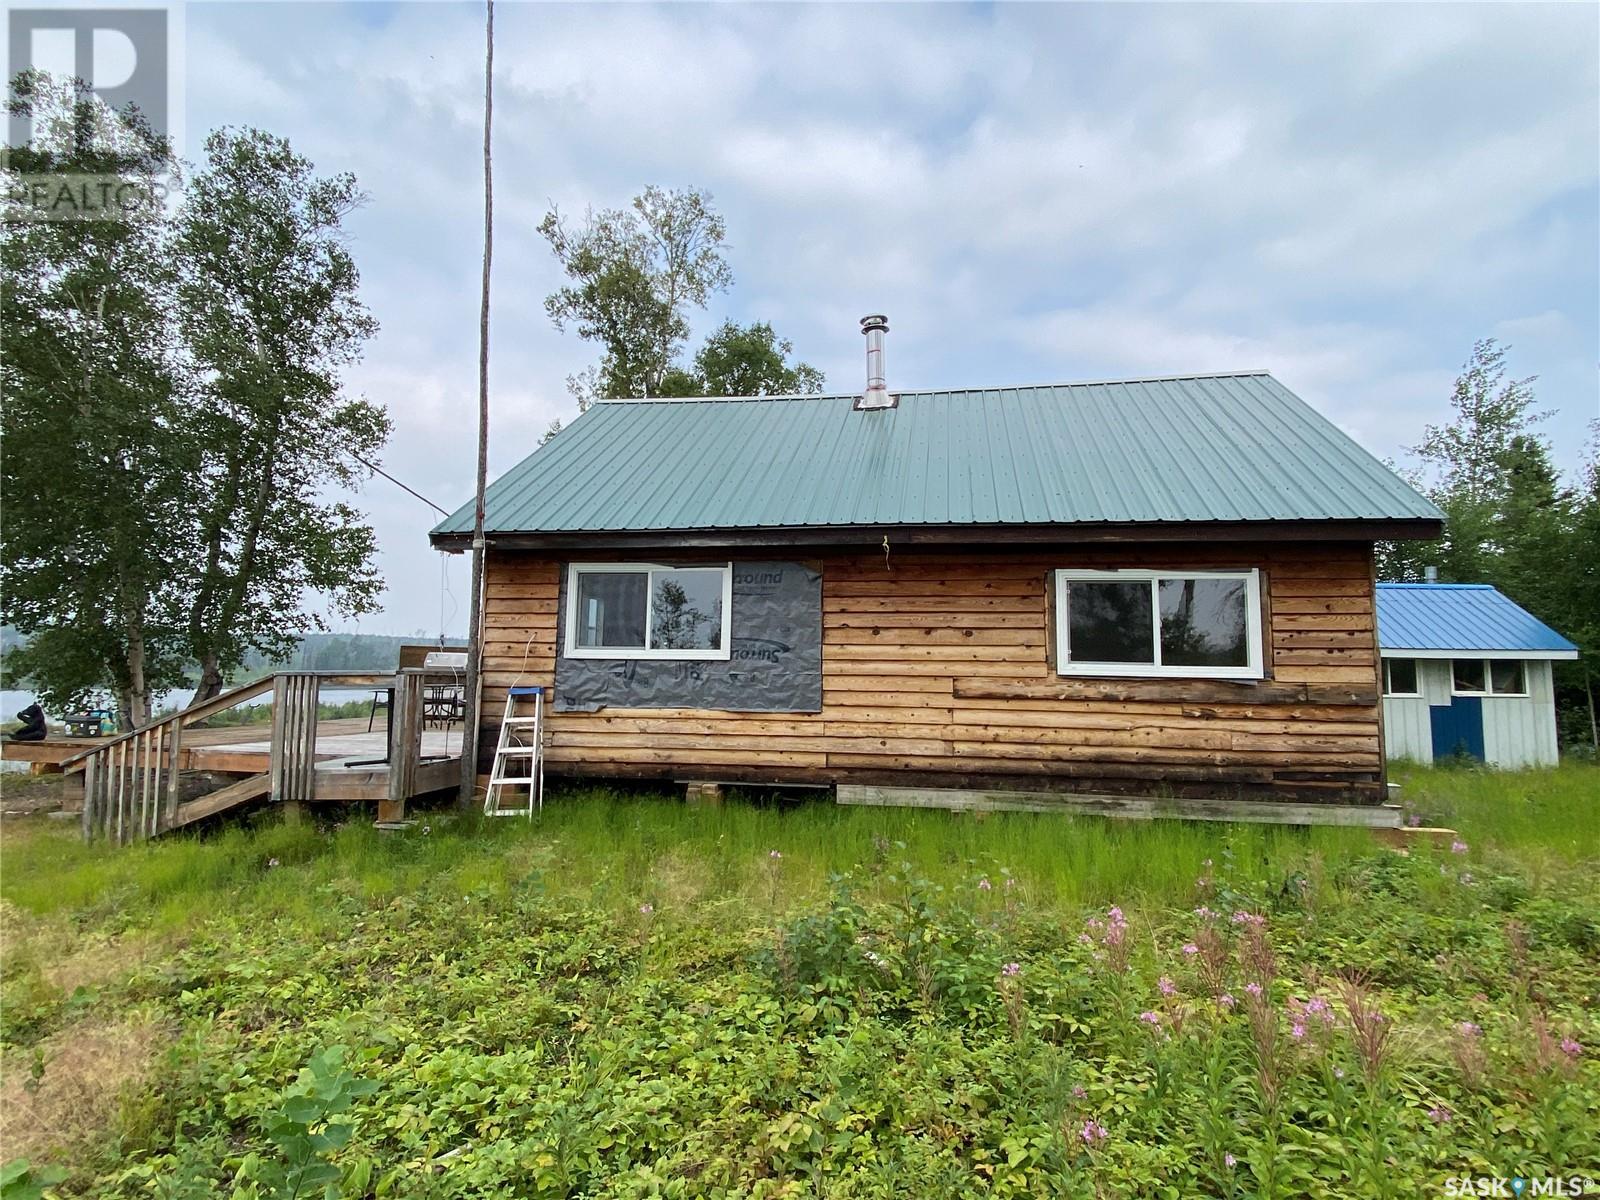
[(649, 999)]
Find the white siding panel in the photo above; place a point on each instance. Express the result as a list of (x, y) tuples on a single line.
[(1520, 731), (1406, 729)]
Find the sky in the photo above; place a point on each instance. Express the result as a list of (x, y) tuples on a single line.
[(1346, 195)]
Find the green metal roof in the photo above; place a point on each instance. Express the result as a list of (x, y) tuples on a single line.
[(1192, 449)]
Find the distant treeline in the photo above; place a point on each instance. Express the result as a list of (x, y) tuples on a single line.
[(345, 652), (315, 652)]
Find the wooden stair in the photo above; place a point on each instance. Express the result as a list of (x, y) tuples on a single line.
[(209, 805)]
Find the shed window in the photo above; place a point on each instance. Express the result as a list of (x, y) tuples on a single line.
[(641, 610), (1190, 624), (1400, 677), (1488, 677)]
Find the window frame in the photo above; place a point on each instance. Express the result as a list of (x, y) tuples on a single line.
[(1416, 665), (1488, 678), (571, 649), (1253, 669)]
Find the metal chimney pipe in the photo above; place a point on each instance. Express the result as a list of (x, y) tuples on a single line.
[(1430, 574), (877, 393)]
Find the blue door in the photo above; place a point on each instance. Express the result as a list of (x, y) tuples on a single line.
[(1458, 727)]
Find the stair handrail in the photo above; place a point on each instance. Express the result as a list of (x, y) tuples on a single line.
[(222, 701)]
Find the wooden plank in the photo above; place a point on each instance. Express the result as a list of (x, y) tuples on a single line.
[(174, 775), (891, 619), (1178, 690), (902, 638), (1376, 816), (221, 800)]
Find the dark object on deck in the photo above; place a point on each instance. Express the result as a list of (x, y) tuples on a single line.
[(89, 723), (33, 728)]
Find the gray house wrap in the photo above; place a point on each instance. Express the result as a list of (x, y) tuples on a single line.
[(776, 664)]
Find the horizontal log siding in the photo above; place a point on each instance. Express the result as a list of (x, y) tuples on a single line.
[(940, 671)]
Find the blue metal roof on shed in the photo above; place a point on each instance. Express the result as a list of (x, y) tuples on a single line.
[(1461, 617), (1189, 449)]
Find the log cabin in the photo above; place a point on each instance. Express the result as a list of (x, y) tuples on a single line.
[(1152, 587)]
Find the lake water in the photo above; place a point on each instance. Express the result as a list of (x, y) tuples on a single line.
[(13, 701)]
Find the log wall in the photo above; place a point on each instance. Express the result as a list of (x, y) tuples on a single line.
[(939, 670)]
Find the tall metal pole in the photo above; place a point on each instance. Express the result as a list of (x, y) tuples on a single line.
[(474, 688)]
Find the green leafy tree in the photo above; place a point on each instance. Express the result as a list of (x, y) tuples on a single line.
[(635, 276), (1487, 469), (635, 273), (1510, 520), (744, 360), (97, 459), (271, 314)]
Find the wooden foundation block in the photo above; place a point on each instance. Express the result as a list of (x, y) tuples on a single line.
[(709, 794), (1403, 837)]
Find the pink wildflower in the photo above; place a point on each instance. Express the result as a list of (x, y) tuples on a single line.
[(1229, 1161), (1079, 1092), (1166, 986), (1011, 883), (1248, 918), (774, 854), (1190, 948), (1571, 1047), (1204, 913), (1468, 1029), (1439, 1114), (1226, 1000), (1253, 988), (1414, 820), (1093, 1132), (1150, 1018), (1458, 847), (647, 908), (1011, 970), (1297, 1031), (983, 884)]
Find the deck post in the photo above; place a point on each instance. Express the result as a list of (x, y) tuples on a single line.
[(174, 779), (405, 746)]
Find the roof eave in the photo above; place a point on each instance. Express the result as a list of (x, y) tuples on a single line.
[(854, 536), (1476, 652)]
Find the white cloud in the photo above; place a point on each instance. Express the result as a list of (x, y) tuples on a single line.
[(1347, 195)]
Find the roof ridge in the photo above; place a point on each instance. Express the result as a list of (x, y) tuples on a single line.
[(951, 391), (1401, 583)]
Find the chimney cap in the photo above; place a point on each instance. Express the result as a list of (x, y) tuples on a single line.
[(874, 321)]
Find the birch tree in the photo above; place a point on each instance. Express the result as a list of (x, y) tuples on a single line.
[(270, 312), (97, 459)]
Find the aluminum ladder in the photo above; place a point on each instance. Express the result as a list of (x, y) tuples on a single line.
[(521, 742)]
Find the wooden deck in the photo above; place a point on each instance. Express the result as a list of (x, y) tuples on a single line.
[(177, 770), (247, 750)]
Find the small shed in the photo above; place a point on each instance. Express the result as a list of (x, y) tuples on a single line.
[(1466, 670)]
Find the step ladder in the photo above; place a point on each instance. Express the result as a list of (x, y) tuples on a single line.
[(518, 757)]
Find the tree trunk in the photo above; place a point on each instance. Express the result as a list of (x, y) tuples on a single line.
[(1594, 724), (136, 699), (210, 678)]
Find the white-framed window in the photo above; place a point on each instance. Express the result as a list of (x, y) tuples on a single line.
[(1488, 677), (648, 610), (1183, 624), (1400, 677)]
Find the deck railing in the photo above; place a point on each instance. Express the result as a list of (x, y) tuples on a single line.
[(131, 785)]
